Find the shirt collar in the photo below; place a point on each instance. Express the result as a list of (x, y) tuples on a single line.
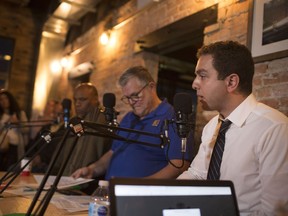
[(241, 113), (160, 110)]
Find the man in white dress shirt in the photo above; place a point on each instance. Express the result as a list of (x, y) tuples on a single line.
[(255, 155)]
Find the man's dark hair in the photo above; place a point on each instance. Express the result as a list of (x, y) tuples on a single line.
[(231, 57)]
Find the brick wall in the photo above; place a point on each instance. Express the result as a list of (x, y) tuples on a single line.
[(271, 83), (20, 24)]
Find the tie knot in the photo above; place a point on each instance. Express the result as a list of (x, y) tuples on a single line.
[(224, 126)]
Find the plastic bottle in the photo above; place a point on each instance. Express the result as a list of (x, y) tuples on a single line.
[(99, 204)]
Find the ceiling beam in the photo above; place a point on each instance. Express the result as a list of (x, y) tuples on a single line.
[(89, 8), (70, 21)]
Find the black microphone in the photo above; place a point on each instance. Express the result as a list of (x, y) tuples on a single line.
[(183, 110), (109, 112), (66, 104)]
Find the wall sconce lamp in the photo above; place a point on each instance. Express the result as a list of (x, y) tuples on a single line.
[(65, 62), (55, 67), (59, 65), (105, 37)]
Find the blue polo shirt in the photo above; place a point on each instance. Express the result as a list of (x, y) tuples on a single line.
[(132, 159)]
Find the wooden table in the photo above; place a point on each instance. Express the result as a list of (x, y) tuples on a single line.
[(11, 203)]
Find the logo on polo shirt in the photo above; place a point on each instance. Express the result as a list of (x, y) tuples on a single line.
[(156, 123)]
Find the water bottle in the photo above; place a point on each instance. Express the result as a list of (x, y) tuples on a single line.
[(99, 204)]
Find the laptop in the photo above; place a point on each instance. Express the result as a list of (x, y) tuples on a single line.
[(171, 197)]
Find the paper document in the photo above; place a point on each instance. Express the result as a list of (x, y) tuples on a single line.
[(72, 203), (65, 181)]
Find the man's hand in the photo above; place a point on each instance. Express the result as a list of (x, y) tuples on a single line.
[(84, 172)]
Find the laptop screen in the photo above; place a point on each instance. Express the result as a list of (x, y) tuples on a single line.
[(130, 197)]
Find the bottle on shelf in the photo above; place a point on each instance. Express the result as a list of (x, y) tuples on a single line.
[(99, 204)]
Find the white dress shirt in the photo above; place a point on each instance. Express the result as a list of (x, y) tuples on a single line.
[(255, 158)]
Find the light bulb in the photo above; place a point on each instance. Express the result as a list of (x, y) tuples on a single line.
[(104, 38)]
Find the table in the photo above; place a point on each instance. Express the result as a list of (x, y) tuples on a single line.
[(11, 203)]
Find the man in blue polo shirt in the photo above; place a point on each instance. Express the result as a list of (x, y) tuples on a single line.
[(132, 159)]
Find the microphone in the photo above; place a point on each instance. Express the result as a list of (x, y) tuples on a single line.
[(109, 112), (183, 110), (66, 104)]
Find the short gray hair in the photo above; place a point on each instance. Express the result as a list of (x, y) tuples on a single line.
[(139, 72)]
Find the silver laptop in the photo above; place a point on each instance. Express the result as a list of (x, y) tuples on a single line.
[(146, 197)]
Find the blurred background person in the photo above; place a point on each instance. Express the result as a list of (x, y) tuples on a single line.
[(53, 123), (15, 135), (50, 115), (89, 147)]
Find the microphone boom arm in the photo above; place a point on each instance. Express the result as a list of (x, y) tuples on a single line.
[(98, 126)]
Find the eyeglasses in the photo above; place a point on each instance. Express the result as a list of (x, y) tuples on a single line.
[(134, 97)]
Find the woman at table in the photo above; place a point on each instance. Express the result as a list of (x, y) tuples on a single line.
[(13, 137)]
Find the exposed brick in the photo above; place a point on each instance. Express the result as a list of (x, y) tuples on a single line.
[(263, 92), (257, 81), (276, 78), (212, 28), (278, 65), (280, 90), (261, 68), (20, 24)]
